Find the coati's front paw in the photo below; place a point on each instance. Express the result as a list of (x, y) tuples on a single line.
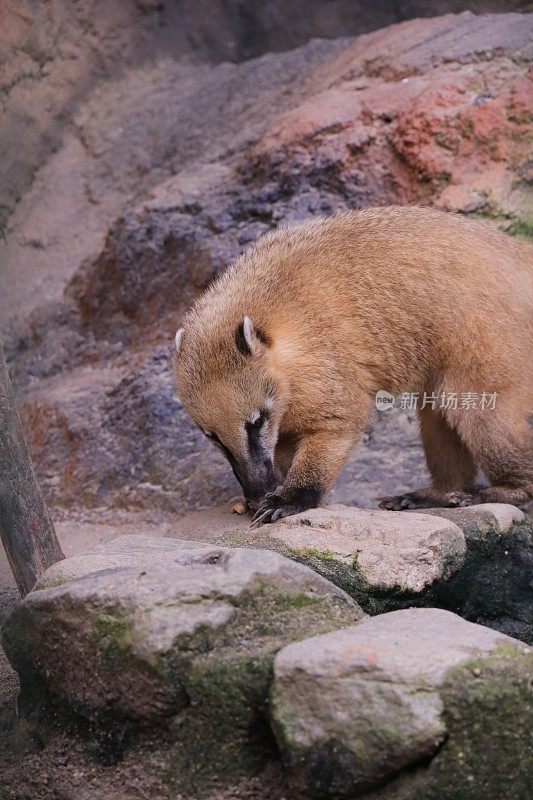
[(275, 506), (270, 509), (423, 498)]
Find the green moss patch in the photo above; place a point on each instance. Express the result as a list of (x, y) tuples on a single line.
[(112, 636), (488, 711), (520, 228), (224, 732)]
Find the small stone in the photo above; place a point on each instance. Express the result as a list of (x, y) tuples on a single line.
[(239, 507)]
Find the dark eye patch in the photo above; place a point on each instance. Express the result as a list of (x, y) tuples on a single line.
[(258, 424), (253, 432)]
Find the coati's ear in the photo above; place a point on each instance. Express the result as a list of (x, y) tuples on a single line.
[(248, 338), (178, 338)]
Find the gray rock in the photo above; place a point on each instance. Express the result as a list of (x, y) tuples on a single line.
[(140, 625), (168, 468), (355, 707), (133, 34), (475, 519), (493, 587), (389, 551), (476, 561), (369, 553)]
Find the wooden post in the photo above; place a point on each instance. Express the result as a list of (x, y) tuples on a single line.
[(26, 529)]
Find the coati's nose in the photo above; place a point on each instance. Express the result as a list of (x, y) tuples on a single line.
[(258, 480)]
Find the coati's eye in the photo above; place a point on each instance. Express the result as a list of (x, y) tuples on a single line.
[(257, 420)]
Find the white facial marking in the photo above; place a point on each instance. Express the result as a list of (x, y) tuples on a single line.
[(255, 416), (178, 338)]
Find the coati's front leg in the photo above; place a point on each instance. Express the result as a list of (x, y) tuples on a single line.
[(318, 459)]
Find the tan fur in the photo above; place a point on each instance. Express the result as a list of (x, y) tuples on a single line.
[(400, 299)]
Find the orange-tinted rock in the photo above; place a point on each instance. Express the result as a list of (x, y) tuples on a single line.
[(455, 135)]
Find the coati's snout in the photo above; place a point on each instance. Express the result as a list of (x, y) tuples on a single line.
[(257, 475), (253, 464), (231, 395)]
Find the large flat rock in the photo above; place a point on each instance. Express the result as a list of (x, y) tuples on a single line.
[(137, 625), (353, 708), (380, 550)]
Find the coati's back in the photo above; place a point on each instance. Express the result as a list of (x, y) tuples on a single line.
[(398, 288)]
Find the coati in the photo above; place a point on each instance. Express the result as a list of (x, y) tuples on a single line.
[(280, 360)]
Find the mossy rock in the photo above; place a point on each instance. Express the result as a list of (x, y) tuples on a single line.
[(475, 561), (411, 705), (178, 637)]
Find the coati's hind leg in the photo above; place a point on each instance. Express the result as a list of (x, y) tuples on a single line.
[(501, 441), (450, 464)]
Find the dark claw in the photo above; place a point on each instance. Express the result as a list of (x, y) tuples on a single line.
[(400, 503), (389, 503), (421, 500), (276, 505), (271, 509), (462, 499), (260, 516)]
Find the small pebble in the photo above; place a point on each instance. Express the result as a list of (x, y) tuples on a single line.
[(476, 671), (239, 507)]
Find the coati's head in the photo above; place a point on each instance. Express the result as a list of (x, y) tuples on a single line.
[(227, 385)]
